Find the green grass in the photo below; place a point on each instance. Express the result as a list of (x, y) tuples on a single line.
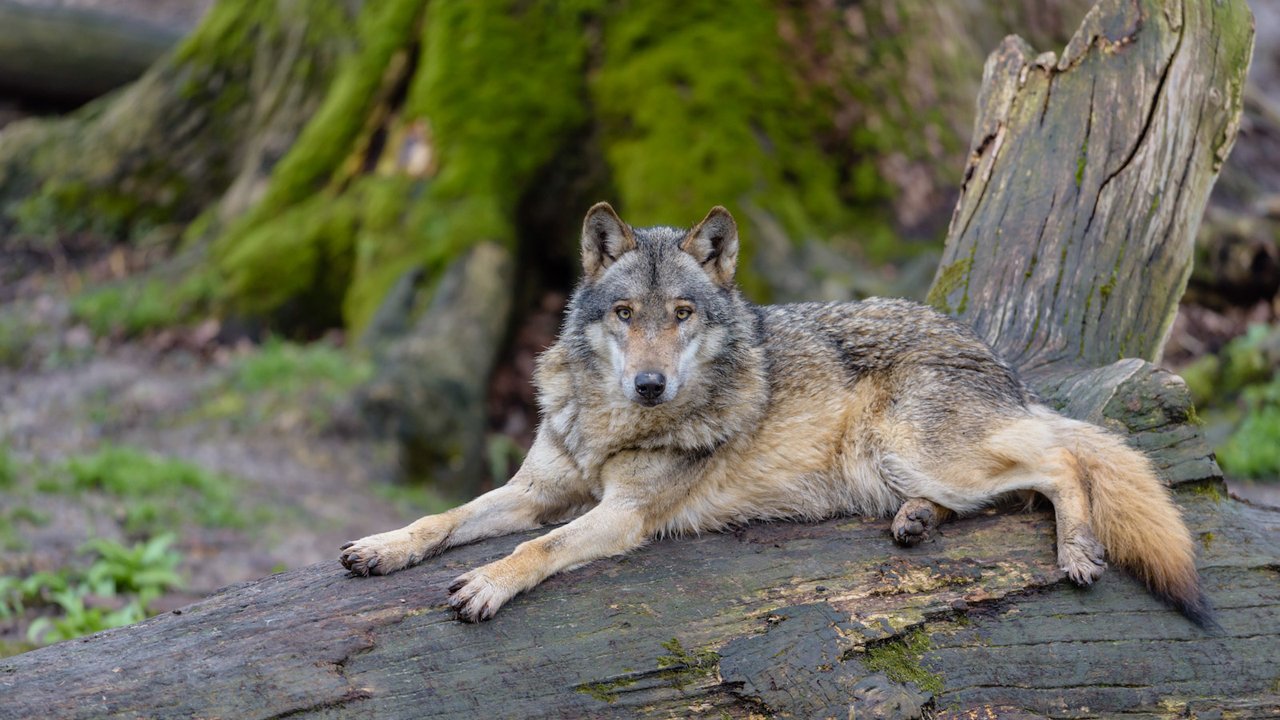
[(155, 492), (283, 379), (134, 307), (16, 336), (8, 468), (287, 367)]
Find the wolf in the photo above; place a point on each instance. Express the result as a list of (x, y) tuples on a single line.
[(670, 405)]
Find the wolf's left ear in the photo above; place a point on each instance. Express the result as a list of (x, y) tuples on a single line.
[(604, 239), (714, 244)]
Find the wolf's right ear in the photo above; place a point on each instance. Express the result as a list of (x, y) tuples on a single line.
[(604, 239)]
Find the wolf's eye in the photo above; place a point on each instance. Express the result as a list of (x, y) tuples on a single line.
[(623, 313), (683, 313)]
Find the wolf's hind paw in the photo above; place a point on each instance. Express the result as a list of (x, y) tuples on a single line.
[(1082, 558), (913, 523)]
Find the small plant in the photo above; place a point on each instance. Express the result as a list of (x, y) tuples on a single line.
[(1253, 450), (77, 619), (146, 570), (135, 575)]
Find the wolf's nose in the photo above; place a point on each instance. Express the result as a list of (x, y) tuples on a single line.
[(650, 385)]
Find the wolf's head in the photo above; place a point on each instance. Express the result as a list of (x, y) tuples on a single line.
[(657, 307)]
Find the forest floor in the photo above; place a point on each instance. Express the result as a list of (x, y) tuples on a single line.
[(239, 454)]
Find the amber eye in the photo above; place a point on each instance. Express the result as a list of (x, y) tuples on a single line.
[(624, 313), (683, 313)]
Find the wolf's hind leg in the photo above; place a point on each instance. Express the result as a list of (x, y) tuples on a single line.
[(546, 486), (1080, 555), (916, 519), (1032, 459)]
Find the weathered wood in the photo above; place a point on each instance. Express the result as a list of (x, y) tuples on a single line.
[(794, 611), (831, 619), (1088, 174)]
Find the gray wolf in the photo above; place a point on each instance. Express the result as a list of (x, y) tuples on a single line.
[(671, 405)]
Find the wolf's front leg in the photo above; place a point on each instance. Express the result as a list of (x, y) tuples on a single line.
[(547, 485), (611, 528)]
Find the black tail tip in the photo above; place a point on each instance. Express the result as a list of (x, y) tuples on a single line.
[(1197, 608)]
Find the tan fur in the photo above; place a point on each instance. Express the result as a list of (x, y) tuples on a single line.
[(876, 408)]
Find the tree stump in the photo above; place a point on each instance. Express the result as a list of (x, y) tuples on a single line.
[(831, 619)]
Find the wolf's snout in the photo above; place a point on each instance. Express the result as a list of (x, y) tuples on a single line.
[(651, 385)]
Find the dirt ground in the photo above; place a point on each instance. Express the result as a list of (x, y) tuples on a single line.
[(307, 484)]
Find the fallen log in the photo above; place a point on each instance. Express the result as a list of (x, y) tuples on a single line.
[(831, 619)]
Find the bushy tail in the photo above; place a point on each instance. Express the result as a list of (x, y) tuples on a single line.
[(1136, 520)]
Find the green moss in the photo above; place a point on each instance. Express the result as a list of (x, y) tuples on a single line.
[(1082, 161), (346, 248), (606, 691), (1211, 489), (951, 278), (682, 668), (900, 660), (698, 106), (167, 146)]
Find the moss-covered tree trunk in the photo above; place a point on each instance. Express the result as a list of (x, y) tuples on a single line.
[(828, 619)]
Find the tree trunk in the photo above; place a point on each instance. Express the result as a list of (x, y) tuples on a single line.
[(831, 619)]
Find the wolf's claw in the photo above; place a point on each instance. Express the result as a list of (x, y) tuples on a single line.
[(476, 597), (1082, 558)]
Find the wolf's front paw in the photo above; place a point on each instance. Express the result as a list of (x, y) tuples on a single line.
[(1082, 558), (477, 595), (379, 554)]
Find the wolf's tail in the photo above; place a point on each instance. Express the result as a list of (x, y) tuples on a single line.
[(1136, 520)]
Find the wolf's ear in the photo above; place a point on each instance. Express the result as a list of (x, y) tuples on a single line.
[(604, 239), (714, 244)]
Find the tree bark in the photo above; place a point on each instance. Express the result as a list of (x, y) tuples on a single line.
[(830, 619)]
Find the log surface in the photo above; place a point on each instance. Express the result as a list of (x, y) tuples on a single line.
[(780, 619)]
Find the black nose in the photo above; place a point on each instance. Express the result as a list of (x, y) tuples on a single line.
[(650, 385)]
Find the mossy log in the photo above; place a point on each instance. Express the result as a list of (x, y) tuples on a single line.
[(55, 52), (828, 619)]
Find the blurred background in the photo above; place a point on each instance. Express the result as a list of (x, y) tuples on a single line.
[(273, 274)]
